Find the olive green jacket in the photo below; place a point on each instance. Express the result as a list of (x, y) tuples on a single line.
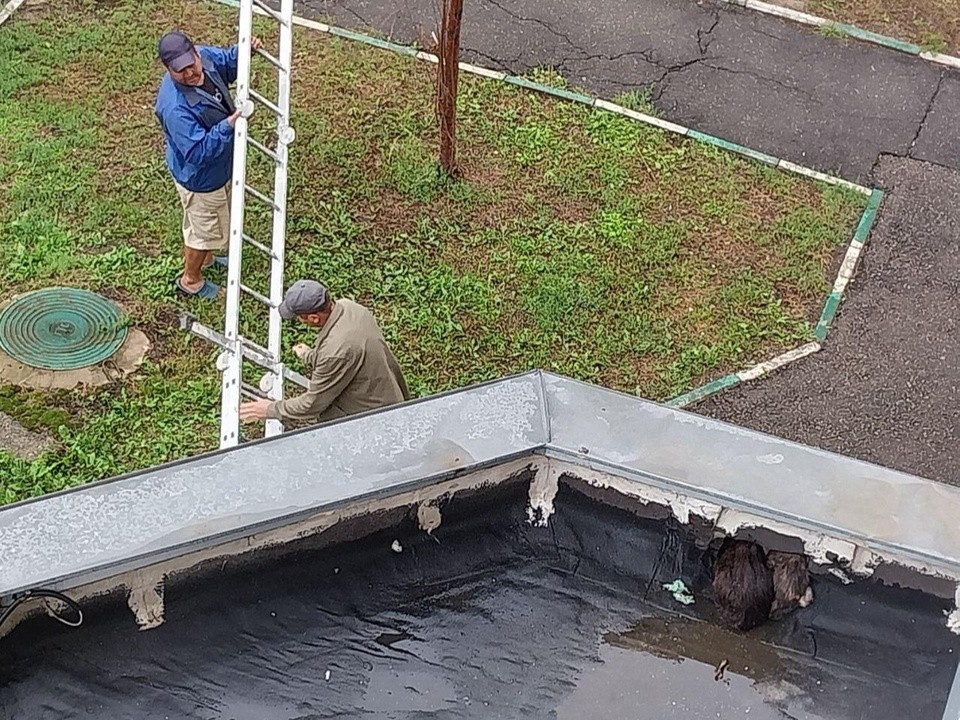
[(351, 370)]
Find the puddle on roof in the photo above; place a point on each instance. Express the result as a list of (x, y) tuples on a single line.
[(680, 668)]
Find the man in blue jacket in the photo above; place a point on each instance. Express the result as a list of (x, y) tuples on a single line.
[(198, 116)]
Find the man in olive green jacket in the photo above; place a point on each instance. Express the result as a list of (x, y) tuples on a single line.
[(351, 367)]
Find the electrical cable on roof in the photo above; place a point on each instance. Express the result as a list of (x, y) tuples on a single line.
[(42, 593)]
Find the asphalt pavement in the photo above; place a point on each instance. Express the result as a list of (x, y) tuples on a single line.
[(826, 102), (885, 388)]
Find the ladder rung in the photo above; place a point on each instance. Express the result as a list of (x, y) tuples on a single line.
[(266, 103), (260, 357), (260, 246), (270, 11), (251, 391), (257, 296), (272, 60), (260, 196), (251, 345), (264, 149)]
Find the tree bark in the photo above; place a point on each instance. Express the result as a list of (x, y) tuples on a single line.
[(447, 78)]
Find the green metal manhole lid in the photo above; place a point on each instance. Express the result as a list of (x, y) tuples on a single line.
[(61, 329)]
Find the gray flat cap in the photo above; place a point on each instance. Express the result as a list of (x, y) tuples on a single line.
[(302, 298)]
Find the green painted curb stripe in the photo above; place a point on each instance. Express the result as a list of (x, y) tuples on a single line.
[(350, 35), (734, 147), (876, 38), (405, 50), (597, 102), (539, 87), (704, 391), (868, 217), (826, 317), (370, 40)]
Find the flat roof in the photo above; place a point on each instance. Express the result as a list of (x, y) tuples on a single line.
[(487, 617)]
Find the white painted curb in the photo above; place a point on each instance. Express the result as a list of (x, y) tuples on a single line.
[(785, 12), (778, 362), (847, 267), (596, 102), (634, 115), (823, 177), (845, 30)]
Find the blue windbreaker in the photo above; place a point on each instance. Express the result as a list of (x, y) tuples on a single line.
[(198, 137)]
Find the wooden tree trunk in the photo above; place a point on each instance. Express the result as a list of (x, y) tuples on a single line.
[(447, 76)]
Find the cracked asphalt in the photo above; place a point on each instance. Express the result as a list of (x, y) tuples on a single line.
[(885, 387), (825, 102)]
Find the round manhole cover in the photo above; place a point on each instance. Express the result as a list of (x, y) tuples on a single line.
[(61, 329)]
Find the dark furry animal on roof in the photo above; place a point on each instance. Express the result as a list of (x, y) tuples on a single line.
[(791, 582), (742, 584), (750, 585)]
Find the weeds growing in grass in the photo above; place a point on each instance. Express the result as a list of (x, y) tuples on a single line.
[(640, 101), (830, 31), (933, 42), (577, 241)]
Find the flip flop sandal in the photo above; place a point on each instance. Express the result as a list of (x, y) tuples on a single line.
[(207, 291), (219, 262)]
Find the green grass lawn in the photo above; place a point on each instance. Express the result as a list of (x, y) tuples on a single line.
[(934, 25), (577, 241)]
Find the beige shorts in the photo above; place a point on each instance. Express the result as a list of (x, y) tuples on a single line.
[(206, 218)]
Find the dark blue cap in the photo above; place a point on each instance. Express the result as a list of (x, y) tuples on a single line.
[(176, 51)]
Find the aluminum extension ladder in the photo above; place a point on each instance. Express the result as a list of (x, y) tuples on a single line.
[(235, 346)]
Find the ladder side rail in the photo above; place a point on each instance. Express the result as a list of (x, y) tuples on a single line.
[(231, 380), (284, 137)]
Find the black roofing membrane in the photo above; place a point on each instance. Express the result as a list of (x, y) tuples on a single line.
[(489, 618)]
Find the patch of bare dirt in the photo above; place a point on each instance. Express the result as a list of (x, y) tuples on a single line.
[(34, 9), (20, 442)]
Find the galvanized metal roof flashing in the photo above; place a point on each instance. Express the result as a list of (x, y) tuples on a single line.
[(91, 532)]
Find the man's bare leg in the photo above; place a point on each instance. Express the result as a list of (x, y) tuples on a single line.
[(193, 264)]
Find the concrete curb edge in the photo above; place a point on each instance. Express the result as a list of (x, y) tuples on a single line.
[(845, 30), (704, 391), (757, 371), (849, 264), (846, 270), (832, 304), (572, 96), (847, 267)]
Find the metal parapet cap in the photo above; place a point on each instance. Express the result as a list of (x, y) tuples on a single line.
[(738, 476)]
